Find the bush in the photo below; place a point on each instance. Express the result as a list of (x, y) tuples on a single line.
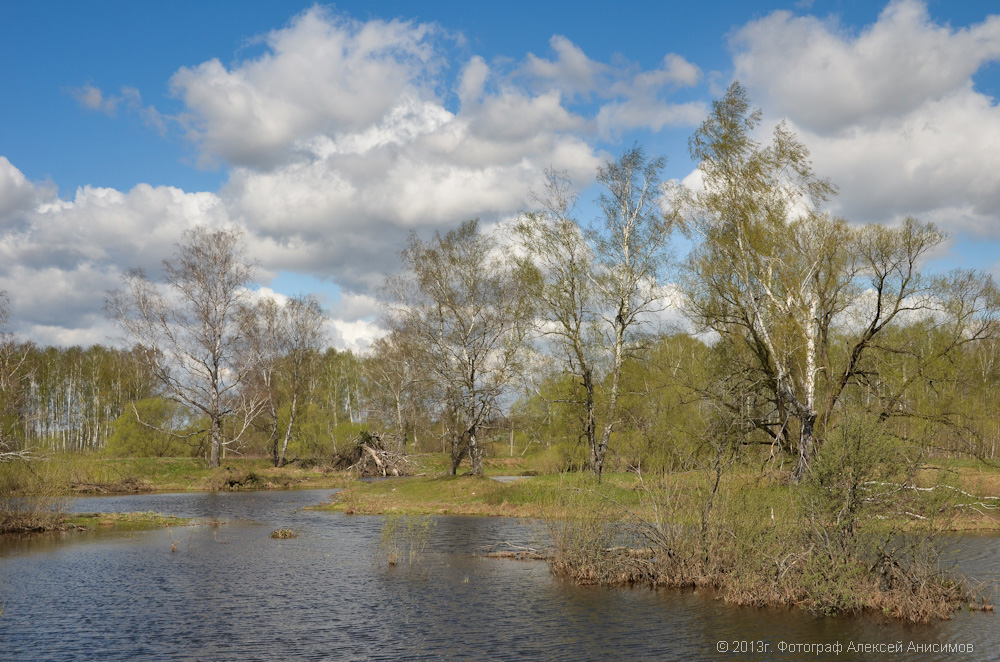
[(133, 435), (28, 502), (834, 544)]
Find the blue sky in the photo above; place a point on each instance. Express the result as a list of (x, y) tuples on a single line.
[(330, 131)]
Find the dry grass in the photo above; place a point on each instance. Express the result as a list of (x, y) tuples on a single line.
[(768, 570), (66, 474), (403, 540), (28, 502), (30, 514), (767, 547)]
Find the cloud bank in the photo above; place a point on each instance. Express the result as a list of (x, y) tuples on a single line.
[(343, 136), (339, 139), (891, 113)]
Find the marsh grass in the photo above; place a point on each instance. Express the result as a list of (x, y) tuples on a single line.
[(403, 540), (858, 536), (27, 514), (28, 501), (753, 560), (139, 521)]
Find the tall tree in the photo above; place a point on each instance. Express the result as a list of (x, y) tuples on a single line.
[(468, 310), (557, 251), (393, 372), (286, 340), (809, 296), (598, 288), (190, 324), (11, 372), (632, 254)]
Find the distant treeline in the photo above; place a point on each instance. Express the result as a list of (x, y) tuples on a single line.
[(591, 342)]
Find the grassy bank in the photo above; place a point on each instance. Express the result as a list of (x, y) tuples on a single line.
[(122, 521), (546, 496), (66, 474), (60, 474), (536, 496), (33, 495), (53, 520)]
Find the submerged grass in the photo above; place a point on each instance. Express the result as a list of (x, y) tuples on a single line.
[(61, 521), (403, 540), (123, 521)]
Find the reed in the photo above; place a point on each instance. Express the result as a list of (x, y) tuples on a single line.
[(403, 540)]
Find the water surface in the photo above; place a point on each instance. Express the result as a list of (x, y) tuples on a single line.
[(233, 593)]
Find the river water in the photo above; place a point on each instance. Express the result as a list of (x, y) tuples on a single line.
[(233, 593)]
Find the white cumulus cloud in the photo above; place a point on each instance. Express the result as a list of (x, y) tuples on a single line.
[(890, 113), (339, 137)]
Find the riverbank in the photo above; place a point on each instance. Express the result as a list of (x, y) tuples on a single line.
[(34, 495), (68, 475), (49, 521), (756, 540), (968, 501), (972, 503)]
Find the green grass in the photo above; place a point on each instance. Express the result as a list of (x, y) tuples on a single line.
[(501, 465), (123, 521), (533, 496), (743, 494)]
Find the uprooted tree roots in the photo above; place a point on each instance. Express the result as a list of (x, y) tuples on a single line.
[(370, 456)]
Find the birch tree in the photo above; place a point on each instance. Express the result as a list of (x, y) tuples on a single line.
[(468, 311), (556, 249), (11, 372), (285, 340), (190, 324), (807, 294), (598, 288), (632, 254), (394, 375)]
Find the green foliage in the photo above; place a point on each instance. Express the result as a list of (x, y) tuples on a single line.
[(149, 428), (342, 437), (550, 424), (662, 420), (855, 482)]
